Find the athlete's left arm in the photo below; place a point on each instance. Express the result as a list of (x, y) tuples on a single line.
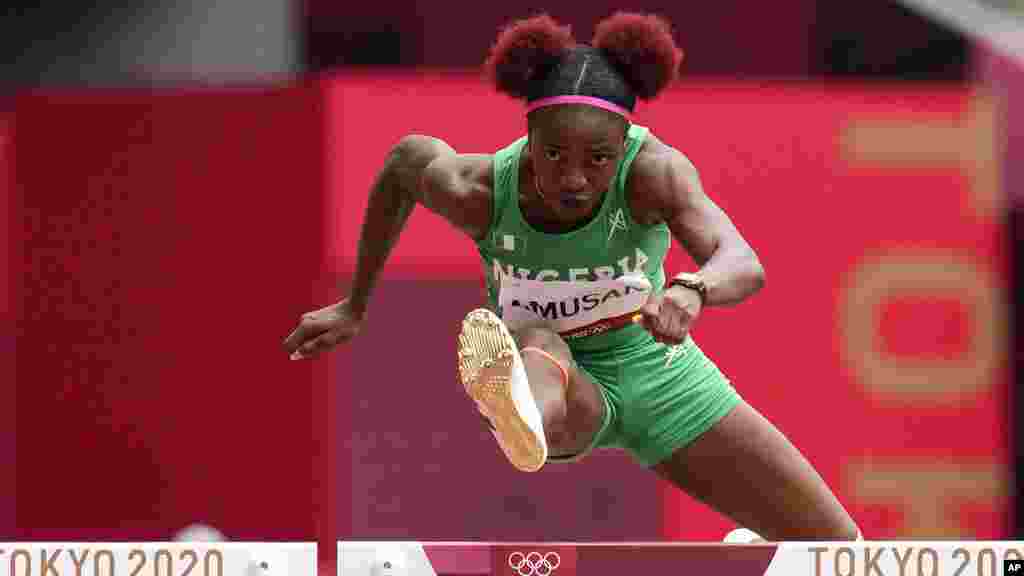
[(728, 264)]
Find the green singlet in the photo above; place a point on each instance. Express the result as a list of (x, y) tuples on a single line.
[(582, 284)]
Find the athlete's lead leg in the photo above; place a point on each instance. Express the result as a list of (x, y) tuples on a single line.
[(535, 399)]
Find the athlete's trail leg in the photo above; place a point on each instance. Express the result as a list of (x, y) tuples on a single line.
[(747, 470)]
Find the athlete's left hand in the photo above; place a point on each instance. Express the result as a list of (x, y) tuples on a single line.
[(669, 315)]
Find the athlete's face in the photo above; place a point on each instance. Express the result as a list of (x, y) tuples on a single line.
[(574, 151)]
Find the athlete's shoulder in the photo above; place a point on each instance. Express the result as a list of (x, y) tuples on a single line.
[(654, 151), (658, 177), (460, 187), (466, 167)]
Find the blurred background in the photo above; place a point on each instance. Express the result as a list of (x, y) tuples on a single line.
[(181, 181)]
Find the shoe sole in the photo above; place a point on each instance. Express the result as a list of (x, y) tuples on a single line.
[(487, 355)]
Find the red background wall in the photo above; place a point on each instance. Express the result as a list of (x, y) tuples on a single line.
[(417, 33), (6, 198), (170, 241), (788, 35), (8, 412)]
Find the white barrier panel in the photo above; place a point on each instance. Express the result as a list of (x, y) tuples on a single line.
[(157, 559), (943, 558)]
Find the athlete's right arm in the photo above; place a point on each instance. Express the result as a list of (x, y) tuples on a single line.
[(419, 170)]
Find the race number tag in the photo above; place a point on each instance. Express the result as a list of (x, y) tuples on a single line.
[(567, 306)]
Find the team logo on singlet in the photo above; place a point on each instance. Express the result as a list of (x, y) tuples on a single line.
[(672, 352), (616, 222)]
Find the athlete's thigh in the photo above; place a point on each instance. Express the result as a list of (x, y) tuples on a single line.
[(747, 470), (585, 407), (588, 412)]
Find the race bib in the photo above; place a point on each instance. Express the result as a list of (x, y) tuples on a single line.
[(570, 306)]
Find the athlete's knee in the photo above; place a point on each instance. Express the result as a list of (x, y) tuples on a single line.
[(846, 534), (549, 356), (843, 528), (832, 522), (850, 531), (543, 338)]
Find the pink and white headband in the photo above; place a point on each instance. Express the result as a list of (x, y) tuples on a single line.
[(589, 100)]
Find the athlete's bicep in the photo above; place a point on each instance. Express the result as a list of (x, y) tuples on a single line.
[(696, 221), (458, 188)]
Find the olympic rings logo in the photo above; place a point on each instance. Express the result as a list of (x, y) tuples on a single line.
[(534, 563)]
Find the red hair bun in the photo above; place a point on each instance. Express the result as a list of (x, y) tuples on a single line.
[(642, 49), (524, 50)]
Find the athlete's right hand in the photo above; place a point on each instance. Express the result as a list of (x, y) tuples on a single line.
[(323, 329)]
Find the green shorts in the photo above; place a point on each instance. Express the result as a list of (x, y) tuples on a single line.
[(657, 398)]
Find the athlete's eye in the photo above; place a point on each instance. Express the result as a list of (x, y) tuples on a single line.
[(601, 158), (552, 155)]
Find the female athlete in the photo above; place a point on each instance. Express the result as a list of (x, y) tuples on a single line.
[(585, 343)]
